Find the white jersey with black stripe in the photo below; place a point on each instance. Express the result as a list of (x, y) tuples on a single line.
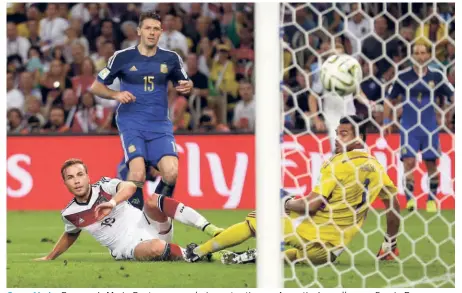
[(110, 231)]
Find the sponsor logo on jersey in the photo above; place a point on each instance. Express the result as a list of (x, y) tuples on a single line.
[(431, 84), (104, 73), (133, 68), (131, 149), (163, 68), (81, 221)]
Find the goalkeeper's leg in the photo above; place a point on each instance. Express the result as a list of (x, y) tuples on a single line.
[(230, 237)]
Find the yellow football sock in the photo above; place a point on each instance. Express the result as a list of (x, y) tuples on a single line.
[(232, 236)]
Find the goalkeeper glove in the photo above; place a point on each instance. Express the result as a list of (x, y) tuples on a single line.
[(389, 249)]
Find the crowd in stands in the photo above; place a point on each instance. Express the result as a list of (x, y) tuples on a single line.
[(55, 51), (361, 29)]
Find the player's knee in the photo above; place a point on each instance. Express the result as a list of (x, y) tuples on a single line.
[(170, 174), (409, 163), (157, 248)]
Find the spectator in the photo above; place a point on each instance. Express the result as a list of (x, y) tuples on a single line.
[(131, 36), (56, 124), (244, 112), (223, 73), (92, 28), (433, 33), (16, 45), (35, 63), (205, 56), (54, 81), (74, 36), (108, 33), (63, 10), (358, 27), (89, 117), (80, 11), (172, 39), (81, 83), (14, 97), (15, 121), (70, 106), (244, 54), (52, 28), (78, 55), (180, 117), (33, 126), (199, 80), (34, 36), (27, 86), (33, 108)]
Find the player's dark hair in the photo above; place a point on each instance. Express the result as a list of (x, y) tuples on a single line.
[(72, 162), (359, 125), (149, 15)]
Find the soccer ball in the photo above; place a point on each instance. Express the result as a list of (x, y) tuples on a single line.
[(341, 74)]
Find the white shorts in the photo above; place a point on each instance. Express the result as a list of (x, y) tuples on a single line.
[(143, 229)]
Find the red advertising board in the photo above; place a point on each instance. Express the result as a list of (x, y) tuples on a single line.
[(216, 171)]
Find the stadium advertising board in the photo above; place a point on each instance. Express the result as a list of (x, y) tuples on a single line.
[(216, 171)]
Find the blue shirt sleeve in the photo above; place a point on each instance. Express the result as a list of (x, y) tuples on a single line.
[(178, 72), (444, 88), (395, 90), (112, 70)]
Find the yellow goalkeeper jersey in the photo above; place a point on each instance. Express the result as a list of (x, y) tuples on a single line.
[(350, 182)]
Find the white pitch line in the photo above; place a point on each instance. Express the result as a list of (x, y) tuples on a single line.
[(67, 253), (425, 280)]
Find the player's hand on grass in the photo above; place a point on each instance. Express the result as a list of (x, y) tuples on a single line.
[(184, 87), (125, 97), (103, 210), (389, 249)]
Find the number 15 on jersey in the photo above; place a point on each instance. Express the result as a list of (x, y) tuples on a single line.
[(148, 83)]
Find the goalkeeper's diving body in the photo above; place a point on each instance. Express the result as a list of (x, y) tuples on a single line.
[(322, 224)]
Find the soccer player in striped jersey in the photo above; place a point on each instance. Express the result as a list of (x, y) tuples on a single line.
[(418, 88), (102, 209), (146, 131)]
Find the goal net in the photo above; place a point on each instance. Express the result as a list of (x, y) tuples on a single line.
[(380, 36)]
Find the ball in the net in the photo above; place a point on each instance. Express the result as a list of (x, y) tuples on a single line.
[(341, 74)]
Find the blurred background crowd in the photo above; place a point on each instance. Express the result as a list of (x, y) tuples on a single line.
[(54, 52), (360, 30)]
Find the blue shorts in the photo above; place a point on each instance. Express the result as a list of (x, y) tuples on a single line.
[(149, 145), (419, 140)]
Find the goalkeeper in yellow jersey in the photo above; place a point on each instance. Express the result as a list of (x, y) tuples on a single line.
[(320, 226)]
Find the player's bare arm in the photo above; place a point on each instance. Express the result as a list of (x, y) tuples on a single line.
[(309, 204), (313, 105), (125, 190), (101, 90), (184, 86), (63, 244), (389, 249)]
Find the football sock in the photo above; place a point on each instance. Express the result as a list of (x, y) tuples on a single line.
[(409, 190), (433, 190), (137, 199), (186, 215), (232, 236), (165, 188), (172, 252)]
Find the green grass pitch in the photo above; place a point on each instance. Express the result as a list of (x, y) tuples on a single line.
[(86, 264)]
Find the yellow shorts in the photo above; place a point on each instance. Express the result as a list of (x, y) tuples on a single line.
[(312, 252)]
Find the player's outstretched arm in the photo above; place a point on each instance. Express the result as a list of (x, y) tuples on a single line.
[(64, 243), (101, 90), (389, 249), (309, 204), (125, 190)]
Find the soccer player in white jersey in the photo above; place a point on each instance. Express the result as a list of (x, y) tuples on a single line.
[(102, 210), (333, 106)]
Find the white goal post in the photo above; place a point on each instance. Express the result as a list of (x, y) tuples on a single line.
[(268, 160)]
